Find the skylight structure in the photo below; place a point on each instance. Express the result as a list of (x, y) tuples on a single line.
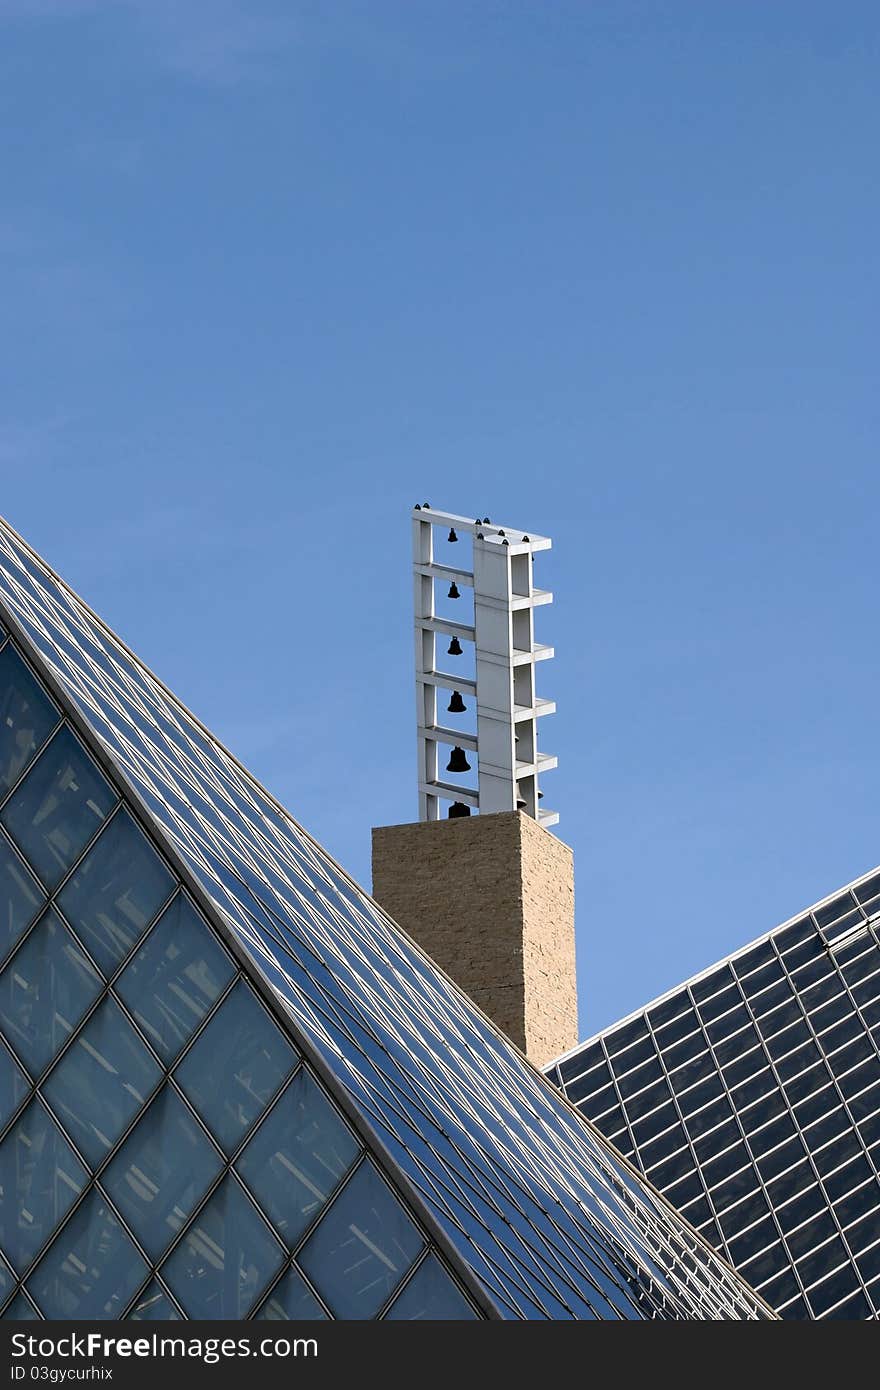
[(230, 1086), (750, 1095)]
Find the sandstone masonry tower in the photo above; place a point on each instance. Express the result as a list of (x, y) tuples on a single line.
[(489, 896)]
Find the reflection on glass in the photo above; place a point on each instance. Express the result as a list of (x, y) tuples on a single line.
[(14, 1086), (162, 1170), (116, 891), (92, 1269), (235, 1068), (44, 991), (102, 1081), (298, 1156), (431, 1296), (154, 1305), (40, 1179), (347, 935), (27, 717), (361, 1249), (172, 981), (226, 1258), (58, 807), (292, 1300), (20, 1310), (20, 898)]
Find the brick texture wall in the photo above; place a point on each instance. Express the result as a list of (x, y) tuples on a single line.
[(491, 900)]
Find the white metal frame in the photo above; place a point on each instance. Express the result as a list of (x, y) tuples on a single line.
[(505, 657)]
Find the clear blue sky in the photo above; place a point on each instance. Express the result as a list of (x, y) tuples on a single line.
[(272, 272)]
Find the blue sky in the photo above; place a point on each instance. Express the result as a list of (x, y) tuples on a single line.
[(272, 272)]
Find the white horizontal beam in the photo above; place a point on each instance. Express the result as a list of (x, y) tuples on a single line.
[(445, 789), (545, 762), (534, 711), (474, 524), (509, 541), (445, 572), (448, 682), (455, 737), (446, 625), (540, 652), (536, 599)]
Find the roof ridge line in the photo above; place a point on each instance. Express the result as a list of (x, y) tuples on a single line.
[(716, 965)]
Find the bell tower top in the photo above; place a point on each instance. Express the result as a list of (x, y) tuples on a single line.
[(496, 654)]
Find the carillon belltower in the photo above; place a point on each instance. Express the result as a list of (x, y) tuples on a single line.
[(495, 667), (478, 880)]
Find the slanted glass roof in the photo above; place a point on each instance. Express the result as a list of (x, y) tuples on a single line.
[(165, 1150), (530, 1199), (750, 1095)]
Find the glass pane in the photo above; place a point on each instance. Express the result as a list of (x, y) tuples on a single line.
[(639, 1078), (812, 1268), (226, 1258), (14, 1085), (44, 992), (102, 1081), (93, 1268), (624, 1037), (235, 1068), (647, 1100), (154, 1305), (58, 807), (116, 891), (664, 1013), (175, 977), (292, 1300), (362, 1247), (857, 1307), (298, 1156), (20, 898), (431, 1295), (27, 717), (655, 1124), (162, 1170), (40, 1179), (20, 1310)]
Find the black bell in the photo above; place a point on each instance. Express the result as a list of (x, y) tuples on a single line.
[(519, 803), (540, 796), (456, 704), (453, 591), (501, 533), (458, 761), (454, 648), (452, 536), (458, 808), (486, 521), (525, 538)]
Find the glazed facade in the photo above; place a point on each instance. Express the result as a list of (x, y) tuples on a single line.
[(231, 1086), (751, 1097)]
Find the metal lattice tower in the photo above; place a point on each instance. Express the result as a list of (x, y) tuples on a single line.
[(502, 674)]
